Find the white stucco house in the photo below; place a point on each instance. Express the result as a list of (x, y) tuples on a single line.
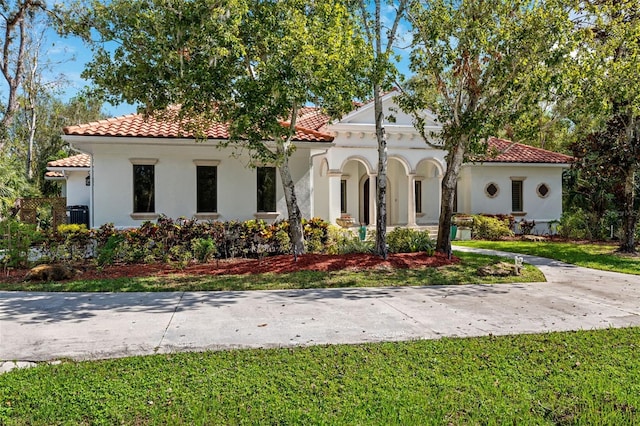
[(130, 170)]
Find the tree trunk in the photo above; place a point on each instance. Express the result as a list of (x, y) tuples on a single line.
[(32, 137), (381, 179), (449, 183), (295, 216), (629, 215)]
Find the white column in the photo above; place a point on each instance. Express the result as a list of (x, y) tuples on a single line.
[(334, 195), (411, 202)]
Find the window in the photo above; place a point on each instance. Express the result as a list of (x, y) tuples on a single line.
[(207, 189), (343, 196), (266, 189), (491, 190), (516, 196), (144, 188), (543, 190), (418, 196)]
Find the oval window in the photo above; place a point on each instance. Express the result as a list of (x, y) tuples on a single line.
[(491, 190), (543, 190)]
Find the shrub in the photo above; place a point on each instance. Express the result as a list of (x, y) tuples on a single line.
[(315, 234), (102, 234), (526, 226), (74, 242), (108, 253), (610, 221), (574, 225), (203, 249), (174, 241), (406, 240), (490, 228), (509, 219), (344, 241), (16, 240), (355, 245)]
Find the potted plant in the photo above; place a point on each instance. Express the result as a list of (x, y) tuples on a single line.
[(345, 220), (463, 223), (463, 220)]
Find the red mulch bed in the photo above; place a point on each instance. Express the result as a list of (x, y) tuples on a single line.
[(276, 264)]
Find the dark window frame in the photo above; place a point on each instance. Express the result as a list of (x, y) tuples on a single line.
[(543, 187), (266, 198), (206, 189), (418, 195), (492, 187), (343, 195), (517, 195), (144, 181)]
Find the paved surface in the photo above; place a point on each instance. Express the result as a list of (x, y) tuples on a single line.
[(49, 326)]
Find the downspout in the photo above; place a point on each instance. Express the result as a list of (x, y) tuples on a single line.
[(91, 201)]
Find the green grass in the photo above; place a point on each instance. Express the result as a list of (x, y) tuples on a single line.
[(596, 256), (588, 377), (462, 273)]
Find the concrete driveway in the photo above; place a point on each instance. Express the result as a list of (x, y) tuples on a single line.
[(49, 326)]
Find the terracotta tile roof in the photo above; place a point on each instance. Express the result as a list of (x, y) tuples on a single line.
[(312, 118), (504, 151), (53, 175), (136, 125), (80, 160)]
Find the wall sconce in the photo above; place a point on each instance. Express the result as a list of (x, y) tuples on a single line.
[(87, 180)]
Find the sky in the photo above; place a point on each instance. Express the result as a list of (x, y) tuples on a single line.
[(68, 57)]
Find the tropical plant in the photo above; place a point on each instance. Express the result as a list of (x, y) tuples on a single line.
[(490, 228), (16, 242), (407, 240)]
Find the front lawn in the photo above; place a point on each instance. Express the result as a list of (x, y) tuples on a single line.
[(464, 272), (596, 256), (587, 377)]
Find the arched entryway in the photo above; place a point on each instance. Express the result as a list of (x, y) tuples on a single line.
[(355, 172), (367, 204), (427, 188), (413, 195)]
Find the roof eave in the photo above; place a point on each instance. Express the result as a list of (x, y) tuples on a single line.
[(512, 163), (68, 169)]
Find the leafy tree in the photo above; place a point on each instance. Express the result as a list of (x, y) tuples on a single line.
[(53, 116), (36, 133), (544, 126), (478, 66), (381, 39), (13, 184), (606, 104), (253, 64), (15, 18)]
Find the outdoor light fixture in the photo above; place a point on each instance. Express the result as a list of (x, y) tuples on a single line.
[(87, 180)]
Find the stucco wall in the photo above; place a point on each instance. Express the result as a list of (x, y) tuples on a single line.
[(175, 182), (77, 192), (473, 199), (319, 185)]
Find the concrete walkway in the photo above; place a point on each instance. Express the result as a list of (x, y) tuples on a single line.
[(49, 326)]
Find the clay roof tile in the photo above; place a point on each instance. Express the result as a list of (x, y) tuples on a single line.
[(505, 151), (136, 125), (80, 160)]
